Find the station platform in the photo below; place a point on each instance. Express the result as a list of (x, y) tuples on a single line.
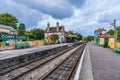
[(17, 52), (10, 59), (100, 64)]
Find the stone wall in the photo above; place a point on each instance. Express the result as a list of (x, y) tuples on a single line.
[(11, 63)]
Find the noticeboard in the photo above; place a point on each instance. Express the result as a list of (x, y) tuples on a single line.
[(11, 36)]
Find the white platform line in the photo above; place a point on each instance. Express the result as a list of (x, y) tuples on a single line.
[(79, 66)]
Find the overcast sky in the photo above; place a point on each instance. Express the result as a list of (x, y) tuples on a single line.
[(83, 16)]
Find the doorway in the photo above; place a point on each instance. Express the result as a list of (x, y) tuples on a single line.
[(106, 40)]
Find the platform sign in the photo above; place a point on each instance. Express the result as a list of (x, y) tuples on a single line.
[(21, 37), (6, 36), (10, 36)]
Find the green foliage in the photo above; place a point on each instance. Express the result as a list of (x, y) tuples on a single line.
[(117, 49), (54, 37), (90, 38), (111, 32), (39, 33), (118, 34), (79, 36), (52, 42), (71, 32), (29, 34), (36, 34), (83, 38), (72, 37), (21, 29), (9, 20)]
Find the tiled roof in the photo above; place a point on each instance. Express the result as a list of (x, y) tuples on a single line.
[(106, 36), (54, 29), (100, 29)]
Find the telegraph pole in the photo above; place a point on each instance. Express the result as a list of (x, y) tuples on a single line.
[(115, 33)]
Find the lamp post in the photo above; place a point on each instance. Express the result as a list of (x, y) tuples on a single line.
[(36, 37), (115, 32), (14, 40)]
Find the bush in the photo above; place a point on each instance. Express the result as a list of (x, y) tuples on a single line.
[(117, 49)]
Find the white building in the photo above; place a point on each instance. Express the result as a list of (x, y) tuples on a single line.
[(60, 30)]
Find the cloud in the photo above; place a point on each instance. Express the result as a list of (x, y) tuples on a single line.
[(91, 16), (83, 16), (56, 8), (23, 13), (109, 15), (77, 3), (75, 23)]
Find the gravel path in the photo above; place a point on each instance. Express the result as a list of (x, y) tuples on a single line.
[(40, 71), (34, 75)]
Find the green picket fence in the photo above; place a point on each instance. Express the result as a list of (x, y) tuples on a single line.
[(22, 45)]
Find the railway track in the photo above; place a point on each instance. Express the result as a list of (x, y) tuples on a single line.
[(17, 73), (64, 71)]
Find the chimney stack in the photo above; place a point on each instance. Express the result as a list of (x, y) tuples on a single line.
[(48, 27), (57, 26)]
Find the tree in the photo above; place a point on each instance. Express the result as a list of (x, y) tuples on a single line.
[(35, 33), (29, 34), (83, 38), (79, 36), (9, 20), (71, 32), (118, 34), (72, 36), (90, 38), (39, 33), (21, 29), (54, 37), (111, 32)]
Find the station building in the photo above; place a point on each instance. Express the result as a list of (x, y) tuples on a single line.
[(102, 38), (98, 32), (106, 38), (7, 30), (59, 30)]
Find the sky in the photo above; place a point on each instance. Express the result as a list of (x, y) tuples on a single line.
[(82, 16)]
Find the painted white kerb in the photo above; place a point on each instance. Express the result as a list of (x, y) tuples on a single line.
[(79, 66)]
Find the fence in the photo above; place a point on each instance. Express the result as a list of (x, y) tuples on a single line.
[(12, 44)]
